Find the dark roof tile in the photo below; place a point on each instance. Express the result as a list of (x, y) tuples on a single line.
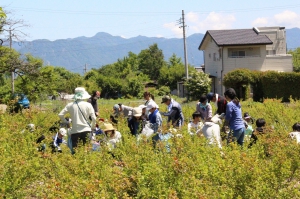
[(238, 37)]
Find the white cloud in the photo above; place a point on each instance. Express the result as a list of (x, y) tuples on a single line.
[(288, 19), (260, 22), (198, 23), (174, 28), (192, 17)]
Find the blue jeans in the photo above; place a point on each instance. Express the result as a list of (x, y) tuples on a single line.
[(238, 135)]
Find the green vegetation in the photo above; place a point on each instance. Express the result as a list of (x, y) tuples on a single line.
[(296, 59), (268, 84), (191, 170)]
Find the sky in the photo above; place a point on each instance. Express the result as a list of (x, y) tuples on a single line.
[(62, 19)]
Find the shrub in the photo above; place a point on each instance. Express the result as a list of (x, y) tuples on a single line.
[(198, 84)]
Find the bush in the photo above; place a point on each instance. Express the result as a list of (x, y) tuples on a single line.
[(139, 171), (198, 84), (269, 84)]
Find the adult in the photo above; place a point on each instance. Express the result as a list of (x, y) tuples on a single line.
[(204, 108), (112, 136), (219, 101), (174, 113), (135, 120), (149, 99), (93, 101), (154, 117), (120, 109), (234, 116), (79, 111)]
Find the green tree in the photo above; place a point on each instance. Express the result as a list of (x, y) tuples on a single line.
[(172, 72), (2, 18), (151, 60), (198, 84), (296, 59)]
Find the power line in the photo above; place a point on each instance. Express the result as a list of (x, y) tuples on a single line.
[(154, 13)]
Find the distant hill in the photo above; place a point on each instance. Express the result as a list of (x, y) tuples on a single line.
[(104, 48)]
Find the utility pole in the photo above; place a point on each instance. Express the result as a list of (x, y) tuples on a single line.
[(13, 72), (181, 21), (85, 68)]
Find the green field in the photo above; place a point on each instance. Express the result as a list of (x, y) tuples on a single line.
[(192, 169)]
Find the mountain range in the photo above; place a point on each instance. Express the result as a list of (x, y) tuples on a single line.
[(103, 48)]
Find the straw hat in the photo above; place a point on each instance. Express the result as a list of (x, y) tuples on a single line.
[(108, 127), (81, 93)]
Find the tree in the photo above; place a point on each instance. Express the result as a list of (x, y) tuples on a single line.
[(296, 59), (198, 84), (2, 20), (172, 72), (151, 60)]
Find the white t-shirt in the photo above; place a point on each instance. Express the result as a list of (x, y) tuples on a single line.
[(295, 135), (194, 128)]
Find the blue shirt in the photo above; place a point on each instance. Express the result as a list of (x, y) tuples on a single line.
[(234, 116)]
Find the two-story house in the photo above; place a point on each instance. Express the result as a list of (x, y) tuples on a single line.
[(259, 49)]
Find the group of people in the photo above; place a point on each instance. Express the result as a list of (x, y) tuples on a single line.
[(148, 118)]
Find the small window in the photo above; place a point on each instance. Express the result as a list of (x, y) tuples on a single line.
[(209, 55), (215, 57), (238, 54)]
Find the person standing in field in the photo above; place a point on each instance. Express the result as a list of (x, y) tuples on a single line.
[(93, 101), (234, 117), (219, 101), (174, 113), (149, 100), (79, 111)]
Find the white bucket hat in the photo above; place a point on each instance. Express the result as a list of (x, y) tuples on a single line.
[(80, 93), (137, 112), (62, 131)]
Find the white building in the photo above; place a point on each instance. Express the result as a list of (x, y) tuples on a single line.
[(260, 49)]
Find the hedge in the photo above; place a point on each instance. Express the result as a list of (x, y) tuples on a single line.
[(268, 84)]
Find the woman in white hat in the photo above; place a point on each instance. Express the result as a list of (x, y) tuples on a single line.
[(79, 111), (134, 121)]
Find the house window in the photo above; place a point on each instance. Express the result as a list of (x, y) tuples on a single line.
[(209, 55), (215, 57), (271, 52), (238, 54)]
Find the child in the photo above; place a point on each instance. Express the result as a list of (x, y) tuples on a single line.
[(296, 132), (259, 131), (196, 125), (249, 130), (58, 140)]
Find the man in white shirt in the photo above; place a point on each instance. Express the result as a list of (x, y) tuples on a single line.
[(79, 111)]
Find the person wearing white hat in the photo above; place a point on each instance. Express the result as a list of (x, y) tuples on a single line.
[(134, 121), (58, 140), (154, 116), (79, 111)]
